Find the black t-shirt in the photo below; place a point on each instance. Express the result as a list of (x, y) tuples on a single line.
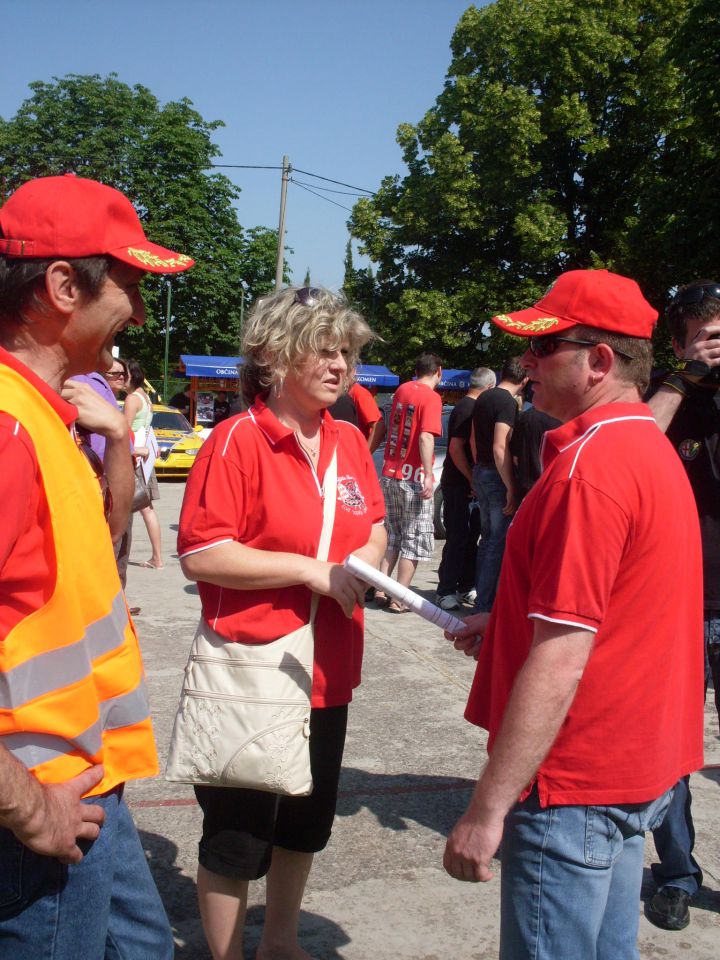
[(180, 402), (237, 406), (695, 434), (528, 432), (496, 405), (344, 409), (459, 425), (221, 411)]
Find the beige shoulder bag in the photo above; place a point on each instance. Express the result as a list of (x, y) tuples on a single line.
[(244, 714)]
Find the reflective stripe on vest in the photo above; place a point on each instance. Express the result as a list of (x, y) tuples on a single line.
[(71, 678)]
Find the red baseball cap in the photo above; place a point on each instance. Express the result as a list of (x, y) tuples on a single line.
[(595, 298), (71, 216)]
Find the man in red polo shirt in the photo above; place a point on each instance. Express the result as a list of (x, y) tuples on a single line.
[(407, 474), (590, 664)]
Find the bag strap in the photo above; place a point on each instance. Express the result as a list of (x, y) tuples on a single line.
[(329, 501)]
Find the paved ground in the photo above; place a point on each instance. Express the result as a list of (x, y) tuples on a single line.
[(379, 891)]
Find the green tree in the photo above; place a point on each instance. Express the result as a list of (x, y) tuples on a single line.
[(533, 160), (677, 237), (160, 156)]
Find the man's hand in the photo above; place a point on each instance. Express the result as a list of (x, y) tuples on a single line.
[(705, 345), (95, 414), (471, 846), (427, 486), (60, 819), (470, 639), (511, 503)]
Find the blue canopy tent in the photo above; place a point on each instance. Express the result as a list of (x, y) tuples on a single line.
[(373, 376), (455, 380), (225, 368), (215, 368)]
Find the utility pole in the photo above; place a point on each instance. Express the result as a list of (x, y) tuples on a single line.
[(167, 341), (286, 169)]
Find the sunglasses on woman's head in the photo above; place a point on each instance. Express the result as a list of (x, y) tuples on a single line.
[(696, 295), (307, 296), (546, 345)]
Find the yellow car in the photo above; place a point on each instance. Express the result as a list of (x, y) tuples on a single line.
[(177, 442)]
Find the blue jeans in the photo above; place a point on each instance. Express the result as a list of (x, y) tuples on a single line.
[(491, 496), (106, 907), (712, 655), (675, 837), (456, 573), (674, 841), (570, 880)]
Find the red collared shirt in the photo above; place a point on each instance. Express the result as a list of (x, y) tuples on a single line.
[(607, 541), (252, 483), (27, 557)]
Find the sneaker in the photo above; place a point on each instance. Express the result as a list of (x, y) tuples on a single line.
[(468, 597), (449, 602), (669, 909)]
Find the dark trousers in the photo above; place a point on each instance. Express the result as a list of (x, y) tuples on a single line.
[(462, 529)]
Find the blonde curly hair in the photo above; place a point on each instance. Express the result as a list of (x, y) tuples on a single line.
[(287, 328)]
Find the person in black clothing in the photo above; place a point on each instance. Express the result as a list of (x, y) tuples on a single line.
[(181, 401), (221, 408), (344, 409), (530, 427), (456, 576), (687, 408), (493, 476)]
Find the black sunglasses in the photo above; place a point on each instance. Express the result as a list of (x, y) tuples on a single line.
[(307, 296), (546, 345), (696, 295), (99, 470)]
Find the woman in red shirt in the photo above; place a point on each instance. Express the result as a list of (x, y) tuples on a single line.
[(249, 533)]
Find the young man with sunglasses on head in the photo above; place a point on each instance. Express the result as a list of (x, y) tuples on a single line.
[(74, 719), (589, 663), (687, 407)]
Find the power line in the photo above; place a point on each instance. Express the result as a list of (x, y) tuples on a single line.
[(246, 166), (307, 173), (338, 182), (346, 193), (302, 187)]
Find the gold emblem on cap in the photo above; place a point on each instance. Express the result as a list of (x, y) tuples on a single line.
[(542, 323), (152, 260)]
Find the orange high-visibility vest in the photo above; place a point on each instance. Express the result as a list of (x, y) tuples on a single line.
[(72, 690)]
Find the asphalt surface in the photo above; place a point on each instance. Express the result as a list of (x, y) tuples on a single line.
[(378, 892)]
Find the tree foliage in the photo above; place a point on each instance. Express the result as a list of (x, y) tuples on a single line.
[(560, 129), (159, 156)]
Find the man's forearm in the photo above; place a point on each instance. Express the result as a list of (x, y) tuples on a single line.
[(664, 405), (456, 452), (503, 463), (20, 793), (426, 445), (118, 466), (541, 697)]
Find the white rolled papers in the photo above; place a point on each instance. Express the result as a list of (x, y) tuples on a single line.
[(416, 603)]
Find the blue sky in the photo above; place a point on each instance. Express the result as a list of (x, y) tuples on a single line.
[(326, 83)]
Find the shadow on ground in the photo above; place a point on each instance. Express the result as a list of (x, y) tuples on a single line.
[(320, 936), (397, 799)]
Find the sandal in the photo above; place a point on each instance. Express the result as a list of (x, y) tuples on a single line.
[(396, 607), (149, 565), (381, 599)]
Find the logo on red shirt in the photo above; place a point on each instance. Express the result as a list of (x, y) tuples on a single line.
[(350, 496)]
